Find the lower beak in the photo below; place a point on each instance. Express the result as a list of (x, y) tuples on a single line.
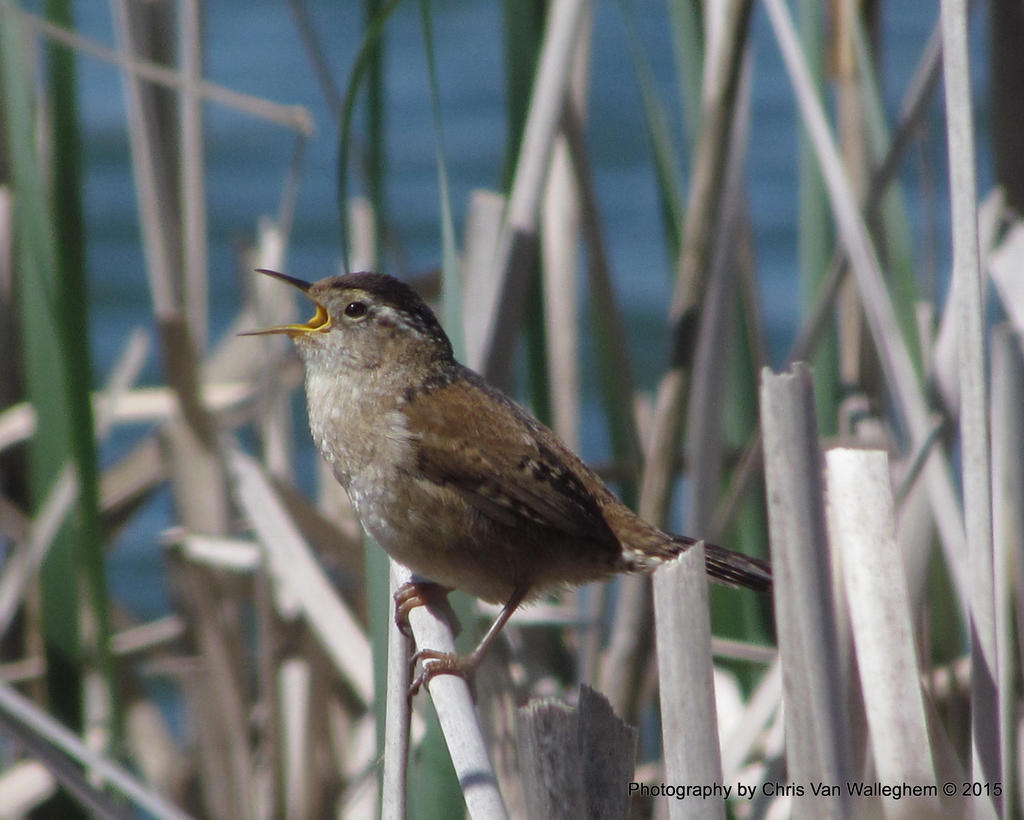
[(319, 321)]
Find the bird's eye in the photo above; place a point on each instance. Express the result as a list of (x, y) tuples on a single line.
[(355, 310)]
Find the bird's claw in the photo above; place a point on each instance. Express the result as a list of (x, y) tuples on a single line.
[(433, 663), (407, 598), (412, 594)]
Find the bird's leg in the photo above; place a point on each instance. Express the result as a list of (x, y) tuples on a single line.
[(412, 594), (446, 663)]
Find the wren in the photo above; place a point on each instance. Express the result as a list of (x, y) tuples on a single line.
[(451, 477)]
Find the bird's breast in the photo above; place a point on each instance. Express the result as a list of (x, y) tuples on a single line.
[(360, 433)]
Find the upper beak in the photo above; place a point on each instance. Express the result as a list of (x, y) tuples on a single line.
[(319, 321)]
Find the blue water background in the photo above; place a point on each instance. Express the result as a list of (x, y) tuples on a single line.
[(254, 47)]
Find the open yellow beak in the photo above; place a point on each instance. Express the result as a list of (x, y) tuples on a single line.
[(319, 321)]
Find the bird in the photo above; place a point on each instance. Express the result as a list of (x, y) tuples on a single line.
[(455, 480)]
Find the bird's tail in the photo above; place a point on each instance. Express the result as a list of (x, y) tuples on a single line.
[(723, 565), (734, 568)]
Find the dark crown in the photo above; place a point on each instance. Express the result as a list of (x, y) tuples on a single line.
[(388, 290)]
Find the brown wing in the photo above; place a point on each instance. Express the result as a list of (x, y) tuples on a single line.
[(493, 453)]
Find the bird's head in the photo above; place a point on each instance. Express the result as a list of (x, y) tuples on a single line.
[(364, 321)]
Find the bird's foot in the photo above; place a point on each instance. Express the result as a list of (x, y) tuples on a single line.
[(412, 594), (434, 663)]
